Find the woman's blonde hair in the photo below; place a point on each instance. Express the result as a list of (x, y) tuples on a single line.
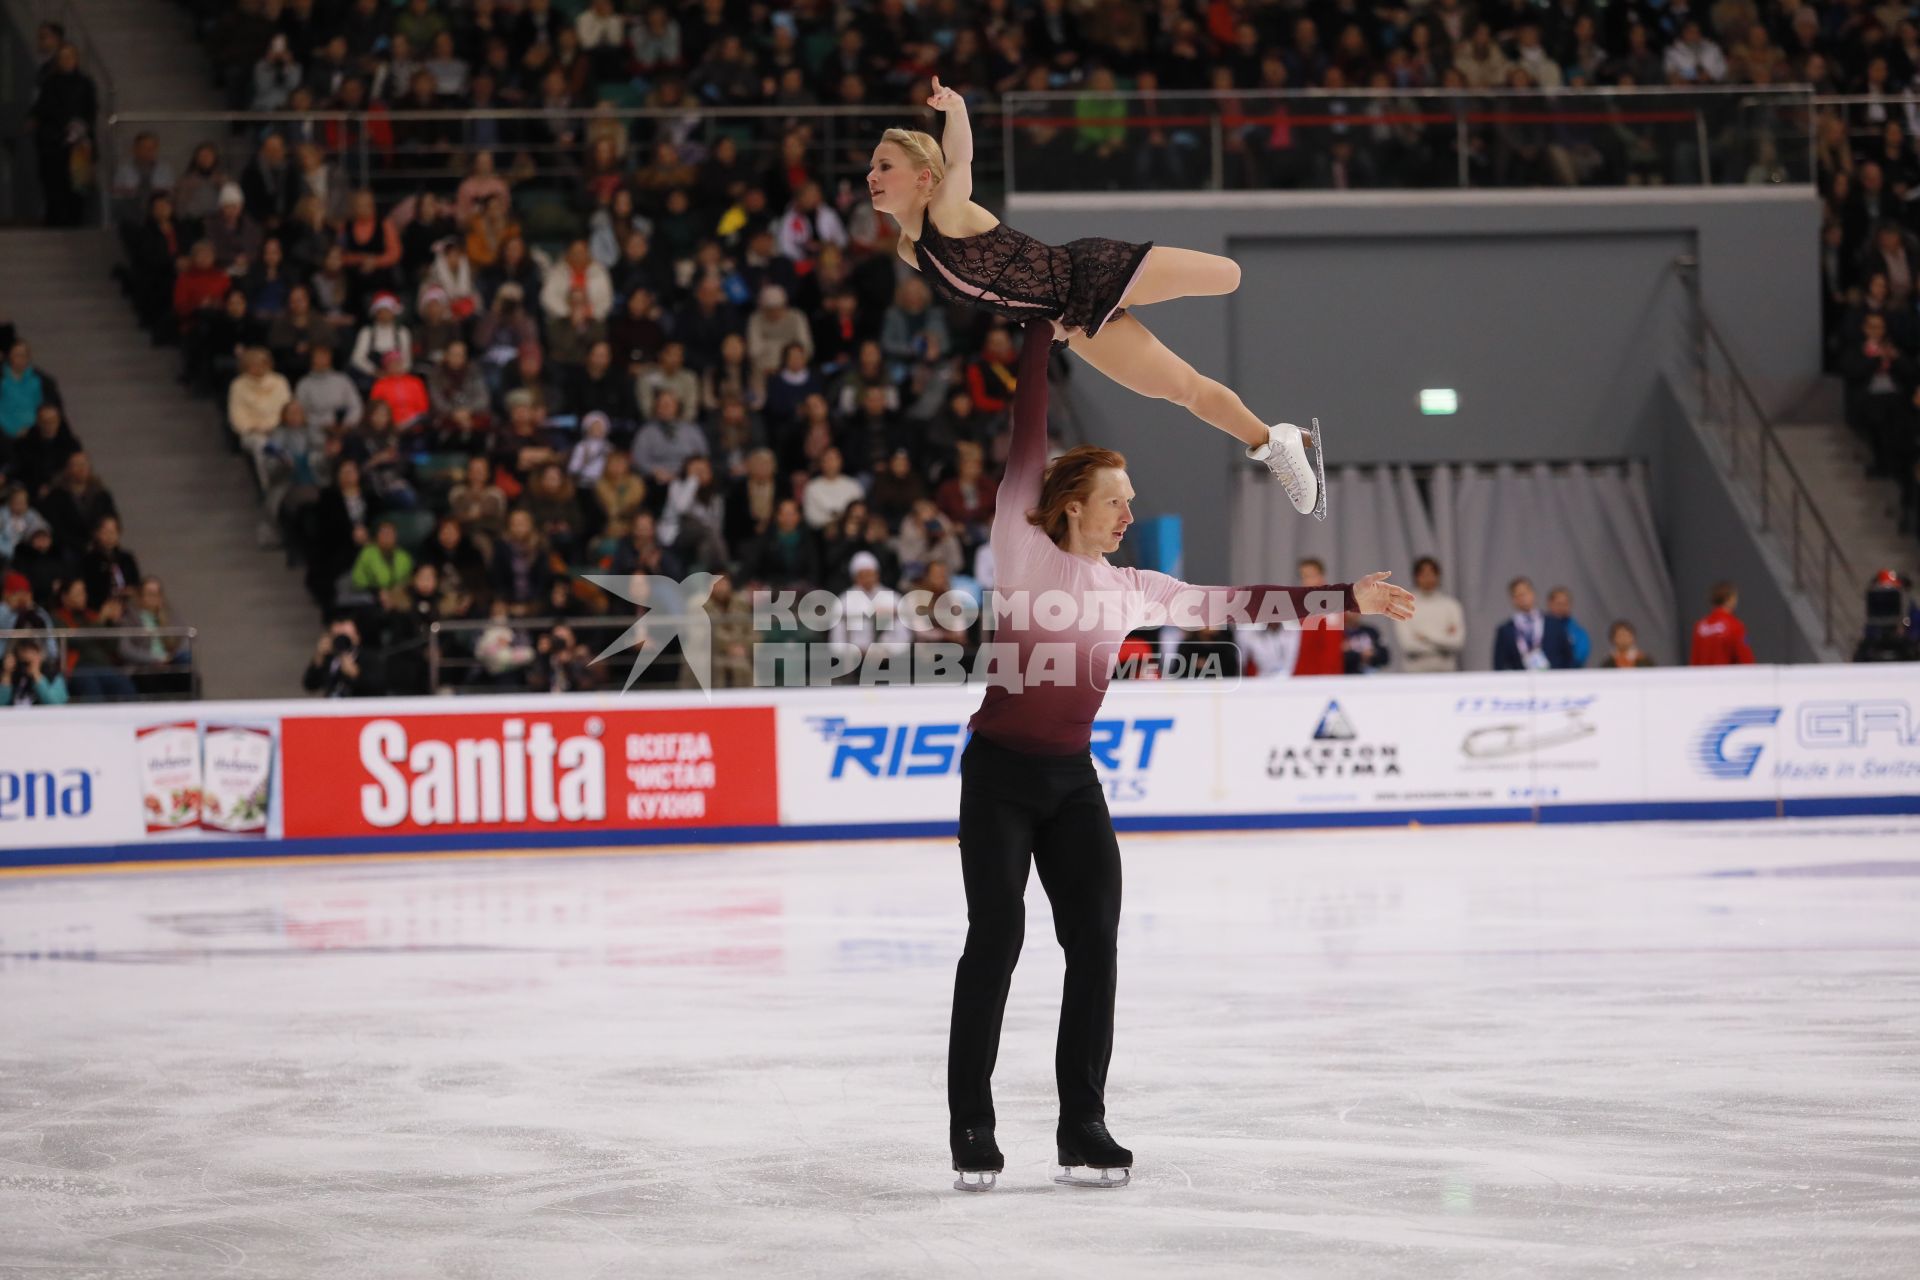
[(922, 149)]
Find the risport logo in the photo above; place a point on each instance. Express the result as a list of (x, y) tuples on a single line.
[(1718, 756), (40, 795), (1121, 747)]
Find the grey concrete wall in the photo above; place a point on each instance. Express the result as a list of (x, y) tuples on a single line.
[(1553, 313), (1707, 540)]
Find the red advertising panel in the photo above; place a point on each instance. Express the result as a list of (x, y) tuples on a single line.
[(529, 770)]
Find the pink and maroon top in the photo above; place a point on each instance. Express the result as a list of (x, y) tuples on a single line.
[(1054, 716)]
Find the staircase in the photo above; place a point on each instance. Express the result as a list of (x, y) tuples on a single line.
[(1862, 512), (187, 500)]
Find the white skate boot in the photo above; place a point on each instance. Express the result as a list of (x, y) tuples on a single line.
[(1294, 456)]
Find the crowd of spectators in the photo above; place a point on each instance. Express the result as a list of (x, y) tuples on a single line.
[(1870, 318), (469, 355), (63, 566)]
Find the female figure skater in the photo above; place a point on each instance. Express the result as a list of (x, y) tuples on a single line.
[(1084, 287), (1028, 792)]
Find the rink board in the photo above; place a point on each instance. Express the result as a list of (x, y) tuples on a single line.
[(172, 783)]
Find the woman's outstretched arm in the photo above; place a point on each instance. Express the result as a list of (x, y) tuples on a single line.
[(1019, 490), (956, 143)]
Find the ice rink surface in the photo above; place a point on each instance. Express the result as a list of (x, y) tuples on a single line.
[(1600, 1051)]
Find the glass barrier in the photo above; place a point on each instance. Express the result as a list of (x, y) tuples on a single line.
[(1392, 140)]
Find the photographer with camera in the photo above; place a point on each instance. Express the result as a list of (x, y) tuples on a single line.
[(1890, 634), (561, 664), (28, 679), (339, 668)]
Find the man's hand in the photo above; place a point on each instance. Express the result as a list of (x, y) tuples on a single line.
[(1374, 594)]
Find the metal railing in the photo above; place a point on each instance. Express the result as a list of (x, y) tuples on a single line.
[(455, 666), (121, 677), (1407, 138), (395, 153), (1759, 466)]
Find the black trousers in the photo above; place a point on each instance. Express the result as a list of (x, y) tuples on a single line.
[(1018, 810)]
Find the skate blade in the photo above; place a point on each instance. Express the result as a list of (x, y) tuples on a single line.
[(1319, 474), (1083, 1176), (982, 1182)]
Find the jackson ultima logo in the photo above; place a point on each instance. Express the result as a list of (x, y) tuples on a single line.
[(561, 770), (1336, 750)]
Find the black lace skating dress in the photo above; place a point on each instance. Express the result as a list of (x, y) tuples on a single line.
[(1080, 283)]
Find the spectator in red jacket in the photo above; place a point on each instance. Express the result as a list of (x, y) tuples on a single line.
[(202, 286), (403, 392), (1720, 639), (1323, 641), (990, 377)]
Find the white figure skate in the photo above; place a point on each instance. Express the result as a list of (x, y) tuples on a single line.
[(1294, 456)]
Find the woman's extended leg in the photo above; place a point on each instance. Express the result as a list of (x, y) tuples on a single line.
[(1128, 353), (1169, 273)]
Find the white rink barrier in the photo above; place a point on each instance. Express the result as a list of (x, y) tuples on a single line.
[(175, 782)]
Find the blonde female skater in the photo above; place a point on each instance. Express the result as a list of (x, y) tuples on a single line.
[(1083, 287)]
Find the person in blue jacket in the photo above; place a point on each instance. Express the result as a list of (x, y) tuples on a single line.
[(1530, 640)]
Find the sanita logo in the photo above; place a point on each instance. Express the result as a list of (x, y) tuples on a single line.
[(34, 794), (1336, 751), (933, 750), (1718, 757), (511, 770)]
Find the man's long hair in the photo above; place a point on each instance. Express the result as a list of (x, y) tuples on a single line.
[(1069, 478)]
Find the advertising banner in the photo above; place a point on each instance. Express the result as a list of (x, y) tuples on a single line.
[(893, 755), (533, 771), (120, 781), (68, 783), (1348, 746), (237, 770), (1839, 735), (1710, 736), (115, 779)]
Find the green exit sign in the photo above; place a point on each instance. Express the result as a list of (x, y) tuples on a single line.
[(1439, 400)]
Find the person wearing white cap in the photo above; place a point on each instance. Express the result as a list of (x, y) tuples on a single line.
[(771, 327), (382, 333), (869, 612), (236, 237)]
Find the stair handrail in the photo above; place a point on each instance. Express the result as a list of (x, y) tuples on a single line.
[(1770, 455)]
